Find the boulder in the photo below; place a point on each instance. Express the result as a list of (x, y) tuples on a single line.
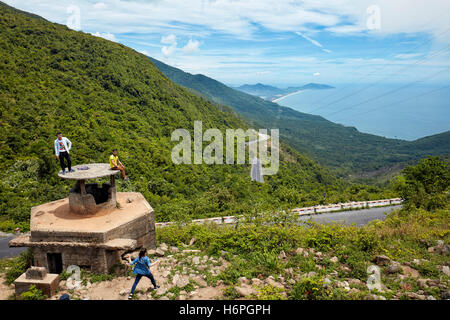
[(161, 291), (245, 291), (408, 271), (182, 282), (243, 280), (299, 251), (392, 268), (334, 259), (174, 249), (282, 255), (123, 292), (200, 281), (382, 260), (257, 282), (445, 270), (163, 247), (196, 260), (273, 283), (159, 252), (415, 296)]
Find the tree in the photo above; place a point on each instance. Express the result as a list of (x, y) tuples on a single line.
[(426, 184)]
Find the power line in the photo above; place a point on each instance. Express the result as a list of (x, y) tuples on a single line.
[(391, 91), (411, 50), (417, 62), (402, 101), (386, 65)]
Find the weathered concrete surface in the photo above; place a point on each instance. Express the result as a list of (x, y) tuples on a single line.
[(48, 285), (54, 222), (94, 242), (96, 170)]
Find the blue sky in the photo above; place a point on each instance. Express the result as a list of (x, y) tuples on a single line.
[(280, 42)]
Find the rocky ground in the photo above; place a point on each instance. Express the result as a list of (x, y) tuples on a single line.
[(188, 274)]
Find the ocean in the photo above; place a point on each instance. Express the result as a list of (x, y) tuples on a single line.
[(410, 113)]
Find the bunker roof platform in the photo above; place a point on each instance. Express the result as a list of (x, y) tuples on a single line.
[(56, 217), (96, 170)]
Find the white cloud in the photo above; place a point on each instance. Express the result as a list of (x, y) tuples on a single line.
[(168, 51), (170, 39), (191, 46), (106, 35), (316, 74), (100, 5), (314, 42)]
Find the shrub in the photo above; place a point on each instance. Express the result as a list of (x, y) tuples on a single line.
[(33, 293), (309, 289), (19, 265)]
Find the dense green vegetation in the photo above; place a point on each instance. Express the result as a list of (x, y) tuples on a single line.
[(345, 149), (405, 237), (103, 95)]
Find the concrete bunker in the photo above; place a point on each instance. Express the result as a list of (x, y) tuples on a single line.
[(88, 229)]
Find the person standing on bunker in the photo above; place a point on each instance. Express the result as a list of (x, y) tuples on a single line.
[(142, 269), (62, 147)]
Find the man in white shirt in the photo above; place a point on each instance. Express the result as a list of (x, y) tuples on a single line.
[(62, 147)]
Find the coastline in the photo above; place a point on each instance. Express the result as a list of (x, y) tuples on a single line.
[(287, 95)]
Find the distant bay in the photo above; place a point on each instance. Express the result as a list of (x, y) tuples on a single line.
[(407, 114)]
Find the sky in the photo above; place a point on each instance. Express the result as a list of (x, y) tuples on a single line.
[(282, 43)]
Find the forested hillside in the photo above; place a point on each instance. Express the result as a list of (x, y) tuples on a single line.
[(103, 95), (344, 149)]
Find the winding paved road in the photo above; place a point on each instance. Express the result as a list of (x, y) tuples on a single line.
[(359, 217)]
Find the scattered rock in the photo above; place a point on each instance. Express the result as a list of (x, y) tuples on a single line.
[(353, 291), (334, 259), (408, 271), (245, 291), (392, 268), (161, 291), (446, 270), (151, 252), (326, 283), (382, 260), (243, 280), (164, 298), (415, 296), (165, 273), (311, 274), (174, 249), (422, 283), (175, 279), (182, 282), (123, 292), (159, 252), (163, 247), (192, 241), (271, 281), (282, 255), (196, 260), (446, 295), (201, 282), (256, 281), (289, 272), (356, 282), (430, 297), (299, 251)]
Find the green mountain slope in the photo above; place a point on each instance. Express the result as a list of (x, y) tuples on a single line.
[(343, 148), (103, 95)]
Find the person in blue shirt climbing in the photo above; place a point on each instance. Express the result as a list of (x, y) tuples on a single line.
[(142, 269)]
